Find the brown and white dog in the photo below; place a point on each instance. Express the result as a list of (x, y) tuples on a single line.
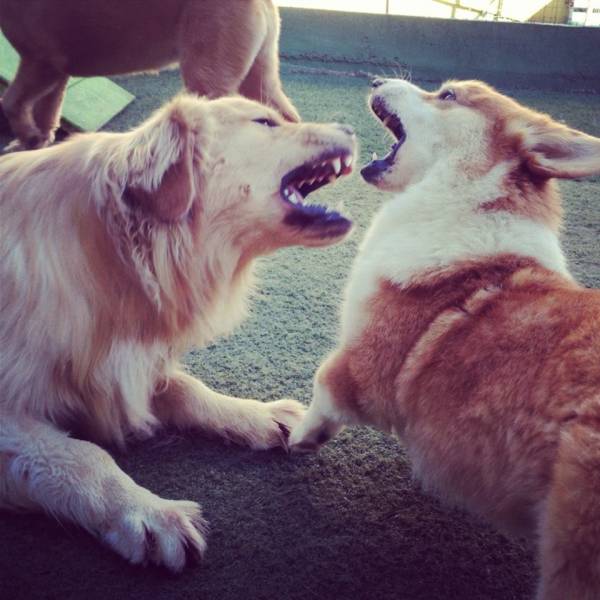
[(222, 46), (117, 252), (462, 330)]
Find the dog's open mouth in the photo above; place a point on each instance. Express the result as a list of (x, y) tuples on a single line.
[(309, 177), (393, 122)]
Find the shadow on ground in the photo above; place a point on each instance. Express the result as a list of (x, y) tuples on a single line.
[(346, 524)]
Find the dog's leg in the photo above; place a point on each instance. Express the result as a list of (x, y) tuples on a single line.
[(41, 467), (216, 63), (263, 82), (187, 403), (325, 416), (570, 523), (47, 110), (32, 81)]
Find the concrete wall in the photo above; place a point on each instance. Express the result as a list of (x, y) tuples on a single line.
[(552, 56)]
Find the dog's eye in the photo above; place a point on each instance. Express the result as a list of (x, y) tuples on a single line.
[(447, 95), (267, 122)]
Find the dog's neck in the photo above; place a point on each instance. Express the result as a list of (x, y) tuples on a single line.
[(451, 215), (438, 222)]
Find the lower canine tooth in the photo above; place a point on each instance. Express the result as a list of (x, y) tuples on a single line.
[(347, 160), (374, 157), (337, 165)]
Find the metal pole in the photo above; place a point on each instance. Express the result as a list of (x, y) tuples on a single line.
[(500, 8), (387, 7)]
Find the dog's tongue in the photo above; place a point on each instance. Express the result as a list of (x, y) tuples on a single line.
[(378, 165)]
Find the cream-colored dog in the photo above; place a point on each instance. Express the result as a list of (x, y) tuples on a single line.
[(462, 330), (222, 46), (117, 252)]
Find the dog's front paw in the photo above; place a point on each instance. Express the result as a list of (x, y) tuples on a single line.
[(271, 424), (163, 532)]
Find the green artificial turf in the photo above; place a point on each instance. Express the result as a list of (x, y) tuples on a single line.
[(347, 524)]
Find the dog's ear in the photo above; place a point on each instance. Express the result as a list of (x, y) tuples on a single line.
[(160, 163), (554, 150)]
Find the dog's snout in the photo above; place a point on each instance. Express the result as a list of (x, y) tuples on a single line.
[(377, 82), (347, 129)]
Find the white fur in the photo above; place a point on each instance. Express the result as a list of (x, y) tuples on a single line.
[(433, 224), (117, 253)]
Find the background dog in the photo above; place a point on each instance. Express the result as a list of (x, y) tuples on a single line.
[(117, 252), (222, 46), (462, 330)]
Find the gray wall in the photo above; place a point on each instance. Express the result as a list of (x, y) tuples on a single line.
[(553, 56)]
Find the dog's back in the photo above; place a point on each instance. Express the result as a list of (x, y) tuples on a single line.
[(110, 37)]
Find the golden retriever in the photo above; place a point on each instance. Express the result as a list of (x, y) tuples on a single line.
[(117, 252), (222, 46), (462, 331)]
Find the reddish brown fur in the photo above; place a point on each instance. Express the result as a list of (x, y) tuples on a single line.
[(529, 346)]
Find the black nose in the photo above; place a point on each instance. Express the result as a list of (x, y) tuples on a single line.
[(377, 82), (346, 128)]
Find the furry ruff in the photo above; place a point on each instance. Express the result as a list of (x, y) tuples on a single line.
[(118, 251)]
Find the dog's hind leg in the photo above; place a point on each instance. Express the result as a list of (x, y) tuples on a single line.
[(263, 82), (570, 523), (187, 403), (43, 468), (215, 63), (33, 81)]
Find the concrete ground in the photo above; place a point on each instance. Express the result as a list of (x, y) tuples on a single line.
[(348, 523)]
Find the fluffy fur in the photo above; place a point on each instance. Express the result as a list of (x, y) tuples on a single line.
[(222, 46), (117, 252), (464, 334)]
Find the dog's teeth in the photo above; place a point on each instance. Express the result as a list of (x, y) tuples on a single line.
[(337, 165), (374, 157), (347, 160), (287, 192)]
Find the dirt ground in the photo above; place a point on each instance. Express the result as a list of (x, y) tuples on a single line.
[(346, 524)]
